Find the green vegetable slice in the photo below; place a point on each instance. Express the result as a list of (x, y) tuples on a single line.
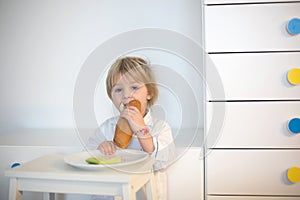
[(103, 161)]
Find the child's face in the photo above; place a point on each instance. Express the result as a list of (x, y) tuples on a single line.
[(127, 89)]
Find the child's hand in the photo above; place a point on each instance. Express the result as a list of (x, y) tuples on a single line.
[(107, 148), (134, 118)]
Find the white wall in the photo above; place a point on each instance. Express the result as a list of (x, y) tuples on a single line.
[(44, 44)]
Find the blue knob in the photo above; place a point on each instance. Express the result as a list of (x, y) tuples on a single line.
[(294, 125), (293, 27), (15, 165)]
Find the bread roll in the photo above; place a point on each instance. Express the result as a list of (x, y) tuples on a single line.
[(123, 132)]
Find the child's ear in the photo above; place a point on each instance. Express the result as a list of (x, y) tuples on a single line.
[(148, 97)]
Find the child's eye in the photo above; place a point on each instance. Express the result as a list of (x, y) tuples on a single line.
[(118, 90), (134, 87)]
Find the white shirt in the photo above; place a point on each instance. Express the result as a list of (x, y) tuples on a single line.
[(160, 130)]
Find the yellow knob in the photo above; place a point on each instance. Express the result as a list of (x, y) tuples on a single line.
[(293, 76), (293, 174)]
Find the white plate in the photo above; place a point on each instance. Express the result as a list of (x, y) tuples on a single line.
[(128, 157)]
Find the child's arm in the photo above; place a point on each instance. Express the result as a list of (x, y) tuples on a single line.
[(95, 139), (145, 139), (102, 135), (165, 151), (138, 127)]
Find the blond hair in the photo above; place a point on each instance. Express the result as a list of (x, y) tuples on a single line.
[(139, 69)]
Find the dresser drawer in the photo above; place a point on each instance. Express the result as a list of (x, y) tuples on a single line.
[(254, 76), (251, 172), (254, 125), (250, 198), (243, 1), (250, 27)]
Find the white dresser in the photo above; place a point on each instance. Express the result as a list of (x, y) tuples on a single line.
[(254, 45)]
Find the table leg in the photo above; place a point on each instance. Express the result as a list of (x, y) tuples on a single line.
[(128, 193), (151, 188), (48, 196), (14, 193), (118, 198)]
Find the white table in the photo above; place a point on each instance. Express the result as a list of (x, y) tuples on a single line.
[(50, 175)]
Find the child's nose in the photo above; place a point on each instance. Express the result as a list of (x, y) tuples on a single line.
[(127, 93)]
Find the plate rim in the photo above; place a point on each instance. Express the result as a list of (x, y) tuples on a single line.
[(91, 166)]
